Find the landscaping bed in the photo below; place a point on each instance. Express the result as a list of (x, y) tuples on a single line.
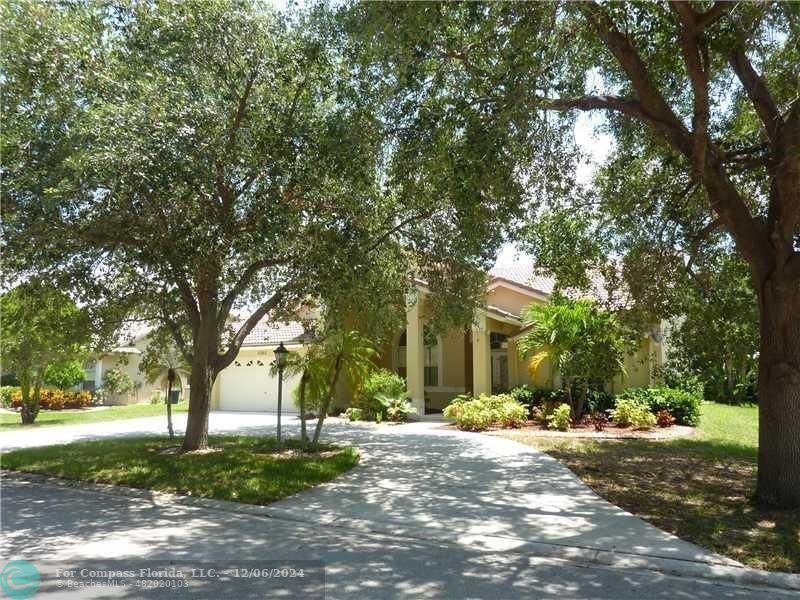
[(580, 431), (236, 468), (698, 488)]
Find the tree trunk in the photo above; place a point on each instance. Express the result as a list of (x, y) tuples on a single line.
[(301, 395), (323, 409), (201, 381), (779, 394)]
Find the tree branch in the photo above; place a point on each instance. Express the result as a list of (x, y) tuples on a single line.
[(241, 284), (695, 56), (175, 331), (651, 100), (223, 360), (757, 91)]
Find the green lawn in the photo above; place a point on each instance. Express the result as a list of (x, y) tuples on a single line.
[(698, 488), (74, 417), (240, 468)]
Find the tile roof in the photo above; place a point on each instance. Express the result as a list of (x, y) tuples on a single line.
[(268, 333), (522, 273)]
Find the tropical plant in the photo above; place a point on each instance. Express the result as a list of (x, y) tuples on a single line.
[(683, 405), (381, 384), (582, 341), (396, 407), (664, 419), (354, 414), (162, 359), (477, 414), (632, 413), (560, 418)]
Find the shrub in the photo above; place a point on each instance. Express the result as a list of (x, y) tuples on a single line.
[(682, 405), (622, 413), (454, 409), (477, 414), (560, 418), (354, 414), (598, 420), (598, 401), (6, 392), (664, 419), (396, 408), (630, 413), (541, 413), (380, 383), (55, 399), (643, 419), (157, 397)]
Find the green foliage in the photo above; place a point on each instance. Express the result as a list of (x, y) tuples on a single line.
[(716, 339), (157, 397), (682, 405), (631, 413), (583, 341), (116, 382), (560, 418), (354, 414), (397, 408), (64, 374), (41, 326), (6, 394), (478, 414), (380, 384)]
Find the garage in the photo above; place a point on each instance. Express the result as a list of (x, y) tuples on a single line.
[(248, 385)]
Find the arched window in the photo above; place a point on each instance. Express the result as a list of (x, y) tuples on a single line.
[(431, 351)]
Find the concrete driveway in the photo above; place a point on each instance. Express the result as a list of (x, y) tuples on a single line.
[(429, 512)]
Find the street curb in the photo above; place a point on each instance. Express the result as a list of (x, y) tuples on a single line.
[(587, 556)]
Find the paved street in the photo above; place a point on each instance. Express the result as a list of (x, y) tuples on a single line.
[(430, 512)]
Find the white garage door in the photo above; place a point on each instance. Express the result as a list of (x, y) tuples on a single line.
[(252, 388)]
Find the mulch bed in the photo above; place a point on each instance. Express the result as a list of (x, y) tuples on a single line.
[(612, 432)]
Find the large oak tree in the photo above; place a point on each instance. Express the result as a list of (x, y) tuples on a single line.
[(197, 159), (699, 96)]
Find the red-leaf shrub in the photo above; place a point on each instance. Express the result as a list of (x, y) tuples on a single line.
[(664, 419), (597, 419), (56, 399)]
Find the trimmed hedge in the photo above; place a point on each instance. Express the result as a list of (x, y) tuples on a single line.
[(56, 399), (681, 404)]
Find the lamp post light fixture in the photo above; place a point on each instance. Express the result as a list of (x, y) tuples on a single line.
[(281, 353)]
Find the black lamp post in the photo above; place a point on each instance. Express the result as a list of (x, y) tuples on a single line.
[(170, 380), (280, 362)]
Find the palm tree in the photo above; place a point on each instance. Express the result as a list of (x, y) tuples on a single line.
[(162, 359), (581, 340), (347, 354)]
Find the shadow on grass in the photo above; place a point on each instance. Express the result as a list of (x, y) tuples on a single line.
[(700, 490)]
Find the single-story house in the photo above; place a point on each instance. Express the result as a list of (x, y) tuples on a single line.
[(481, 359)]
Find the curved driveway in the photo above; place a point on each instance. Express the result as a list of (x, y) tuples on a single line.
[(449, 493)]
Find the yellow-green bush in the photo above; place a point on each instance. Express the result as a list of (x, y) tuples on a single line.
[(478, 414)]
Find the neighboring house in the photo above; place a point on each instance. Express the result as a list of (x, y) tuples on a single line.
[(127, 359), (480, 359)]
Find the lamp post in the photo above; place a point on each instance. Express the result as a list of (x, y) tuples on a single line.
[(280, 362)]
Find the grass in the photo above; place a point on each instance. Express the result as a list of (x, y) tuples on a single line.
[(241, 468), (698, 488), (74, 417)]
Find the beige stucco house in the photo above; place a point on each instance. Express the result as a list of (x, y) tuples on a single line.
[(479, 359), (484, 358)]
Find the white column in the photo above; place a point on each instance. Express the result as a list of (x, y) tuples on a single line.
[(415, 354), (481, 356)]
